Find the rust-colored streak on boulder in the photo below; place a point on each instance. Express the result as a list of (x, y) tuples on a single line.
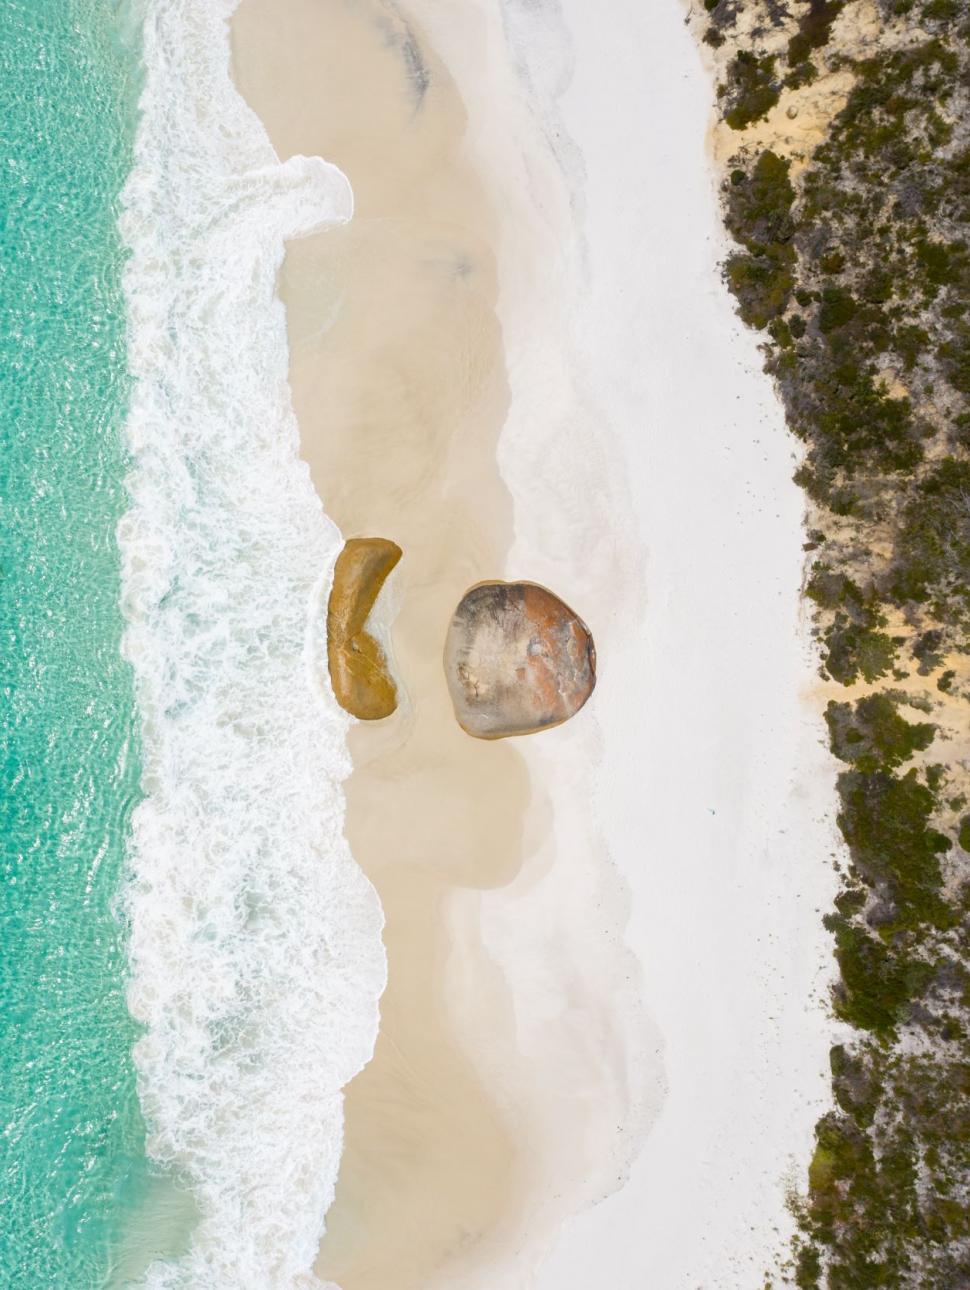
[(358, 668), (517, 660)]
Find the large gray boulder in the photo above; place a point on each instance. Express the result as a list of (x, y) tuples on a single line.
[(517, 660)]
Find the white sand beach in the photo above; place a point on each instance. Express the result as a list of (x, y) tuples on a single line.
[(604, 1040)]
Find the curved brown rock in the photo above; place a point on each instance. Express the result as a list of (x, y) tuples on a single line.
[(517, 660), (358, 669)]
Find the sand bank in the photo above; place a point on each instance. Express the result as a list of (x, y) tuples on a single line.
[(532, 273)]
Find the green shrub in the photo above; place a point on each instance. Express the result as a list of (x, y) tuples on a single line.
[(859, 428), (931, 558), (762, 285), (751, 89), (875, 983), (885, 822), (955, 356), (838, 308), (813, 30), (872, 735), (851, 649), (760, 202)]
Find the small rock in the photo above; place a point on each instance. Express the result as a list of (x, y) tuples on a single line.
[(358, 669), (517, 660)]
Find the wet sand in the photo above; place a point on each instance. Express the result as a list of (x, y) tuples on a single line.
[(399, 386)]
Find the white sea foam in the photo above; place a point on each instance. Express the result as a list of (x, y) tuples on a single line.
[(255, 940)]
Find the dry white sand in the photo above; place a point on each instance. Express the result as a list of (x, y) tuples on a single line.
[(715, 789), (534, 264)]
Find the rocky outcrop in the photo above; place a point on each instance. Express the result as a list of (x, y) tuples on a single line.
[(517, 660), (359, 673)]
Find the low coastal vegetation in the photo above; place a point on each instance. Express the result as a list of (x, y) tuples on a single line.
[(847, 195)]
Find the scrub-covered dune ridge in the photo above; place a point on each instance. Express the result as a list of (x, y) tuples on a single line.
[(844, 137)]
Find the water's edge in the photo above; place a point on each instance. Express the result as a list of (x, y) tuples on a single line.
[(256, 958)]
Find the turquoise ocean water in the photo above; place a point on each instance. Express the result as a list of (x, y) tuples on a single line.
[(71, 1151)]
